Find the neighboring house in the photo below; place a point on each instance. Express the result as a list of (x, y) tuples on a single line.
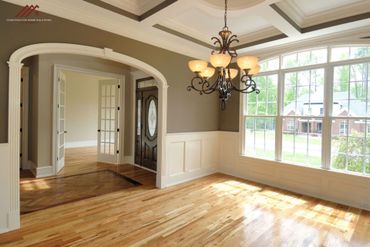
[(313, 105)]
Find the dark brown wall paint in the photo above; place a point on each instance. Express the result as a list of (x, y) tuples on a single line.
[(229, 118), (187, 111)]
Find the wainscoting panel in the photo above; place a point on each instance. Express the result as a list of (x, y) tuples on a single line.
[(328, 185), (176, 157), (191, 155)]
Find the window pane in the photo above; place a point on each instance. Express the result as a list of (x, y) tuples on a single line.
[(302, 141), (304, 93), (260, 137), (351, 90), (264, 103), (270, 65), (305, 58), (343, 53), (351, 145)]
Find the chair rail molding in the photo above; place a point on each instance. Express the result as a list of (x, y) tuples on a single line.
[(12, 202)]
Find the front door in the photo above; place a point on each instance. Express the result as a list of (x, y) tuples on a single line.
[(146, 127)]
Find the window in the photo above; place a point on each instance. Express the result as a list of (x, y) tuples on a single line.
[(270, 65), (344, 53), (350, 144), (304, 58), (260, 112), (292, 130), (343, 128), (303, 96)]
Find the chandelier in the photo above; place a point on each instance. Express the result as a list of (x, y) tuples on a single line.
[(221, 59)]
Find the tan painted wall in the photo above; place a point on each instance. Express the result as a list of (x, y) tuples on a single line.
[(82, 102)]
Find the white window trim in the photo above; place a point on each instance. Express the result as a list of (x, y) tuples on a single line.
[(326, 119)]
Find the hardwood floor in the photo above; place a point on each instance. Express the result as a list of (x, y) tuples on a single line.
[(216, 210), (82, 177), (83, 160), (50, 192)]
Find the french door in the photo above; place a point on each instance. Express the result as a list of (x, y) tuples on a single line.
[(61, 131), (108, 122)]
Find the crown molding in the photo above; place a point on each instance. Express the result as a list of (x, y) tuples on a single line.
[(133, 16)]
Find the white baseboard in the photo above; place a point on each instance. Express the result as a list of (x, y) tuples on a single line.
[(90, 143), (128, 159), (45, 171)]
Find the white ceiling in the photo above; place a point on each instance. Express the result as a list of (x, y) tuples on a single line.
[(202, 23), (311, 7), (254, 21), (137, 7)]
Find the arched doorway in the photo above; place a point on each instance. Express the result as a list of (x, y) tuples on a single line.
[(15, 65)]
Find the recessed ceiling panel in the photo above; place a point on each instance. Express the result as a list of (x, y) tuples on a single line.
[(311, 7), (197, 23), (137, 7)]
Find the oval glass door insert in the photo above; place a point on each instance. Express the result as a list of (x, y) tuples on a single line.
[(152, 118)]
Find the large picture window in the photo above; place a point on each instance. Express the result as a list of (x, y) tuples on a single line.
[(320, 96)]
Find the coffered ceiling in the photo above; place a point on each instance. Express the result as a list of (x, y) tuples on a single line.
[(186, 26)]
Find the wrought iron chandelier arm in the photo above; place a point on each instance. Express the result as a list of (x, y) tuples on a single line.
[(248, 84), (208, 88), (196, 80)]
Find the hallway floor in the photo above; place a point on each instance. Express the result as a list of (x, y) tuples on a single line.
[(81, 178)]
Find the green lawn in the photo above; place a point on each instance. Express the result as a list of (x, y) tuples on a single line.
[(298, 157), (300, 139)]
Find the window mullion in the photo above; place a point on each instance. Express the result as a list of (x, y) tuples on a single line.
[(279, 120), (327, 119)]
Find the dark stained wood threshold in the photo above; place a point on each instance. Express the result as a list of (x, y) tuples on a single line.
[(128, 14)]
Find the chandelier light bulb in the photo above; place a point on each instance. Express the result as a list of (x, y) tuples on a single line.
[(247, 62), (255, 70), (197, 65), (233, 73), (220, 60), (207, 72)]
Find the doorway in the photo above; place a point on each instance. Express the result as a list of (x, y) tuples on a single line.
[(15, 65), (146, 124), (88, 107)]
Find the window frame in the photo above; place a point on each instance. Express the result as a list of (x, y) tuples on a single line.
[(327, 117)]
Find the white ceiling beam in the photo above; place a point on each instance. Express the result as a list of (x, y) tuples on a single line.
[(278, 21)]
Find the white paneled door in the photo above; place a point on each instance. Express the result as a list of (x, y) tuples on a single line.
[(61, 131), (108, 125)]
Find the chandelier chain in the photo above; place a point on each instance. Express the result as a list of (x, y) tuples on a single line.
[(225, 15)]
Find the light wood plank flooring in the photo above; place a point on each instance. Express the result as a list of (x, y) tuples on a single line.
[(216, 210)]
